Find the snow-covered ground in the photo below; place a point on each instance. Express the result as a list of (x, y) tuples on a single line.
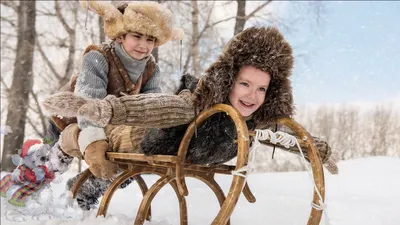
[(366, 191)]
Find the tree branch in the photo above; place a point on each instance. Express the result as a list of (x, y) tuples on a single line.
[(39, 110), (258, 9), (61, 18), (49, 64), (44, 13), (206, 24), (5, 85), (221, 21), (4, 47), (246, 17), (10, 4), (34, 127), (8, 21)]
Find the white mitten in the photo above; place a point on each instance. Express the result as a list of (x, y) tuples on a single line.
[(16, 176)]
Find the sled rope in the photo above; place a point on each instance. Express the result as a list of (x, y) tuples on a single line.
[(287, 141)]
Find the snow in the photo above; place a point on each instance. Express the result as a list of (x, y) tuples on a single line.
[(366, 191)]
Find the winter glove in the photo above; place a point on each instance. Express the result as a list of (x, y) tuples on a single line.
[(144, 110), (327, 158), (95, 157), (68, 104), (69, 141)]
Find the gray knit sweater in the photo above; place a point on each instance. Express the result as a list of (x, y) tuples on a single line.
[(92, 83), (92, 80)]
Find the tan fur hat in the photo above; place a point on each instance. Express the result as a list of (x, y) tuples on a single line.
[(145, 17)]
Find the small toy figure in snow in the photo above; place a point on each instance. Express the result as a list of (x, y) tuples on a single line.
[(31, 174)]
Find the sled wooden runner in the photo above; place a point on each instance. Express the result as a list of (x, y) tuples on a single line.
[(173, 170)]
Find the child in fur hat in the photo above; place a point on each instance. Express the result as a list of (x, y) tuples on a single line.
[(124, 66), (252, 74)]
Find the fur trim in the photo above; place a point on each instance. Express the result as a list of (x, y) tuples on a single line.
[(187, 82), (113, 18), (263, 48), (90, 135), (146, 17)]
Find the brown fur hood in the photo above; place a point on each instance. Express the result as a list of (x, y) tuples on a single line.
[(264, 48)]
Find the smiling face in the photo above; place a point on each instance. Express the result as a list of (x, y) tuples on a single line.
[(249, 90), (137, 45)]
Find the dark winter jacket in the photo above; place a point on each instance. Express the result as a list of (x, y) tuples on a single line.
[(214, 142)]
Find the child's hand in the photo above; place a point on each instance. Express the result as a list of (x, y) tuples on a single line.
[(97, 111)]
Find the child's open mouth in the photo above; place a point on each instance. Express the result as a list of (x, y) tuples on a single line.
[(245, 104)]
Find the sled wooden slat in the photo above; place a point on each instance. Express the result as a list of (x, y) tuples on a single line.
[(142, 157), (174, 169)]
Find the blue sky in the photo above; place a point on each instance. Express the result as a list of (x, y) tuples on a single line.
[(353, 56)]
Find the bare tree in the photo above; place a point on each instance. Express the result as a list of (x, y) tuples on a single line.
[(194, 50), (381, 121), (22, 82), (241, 16), (102, 35), (69, 42), (202, 25)]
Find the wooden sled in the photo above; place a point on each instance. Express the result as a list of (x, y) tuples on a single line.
[(173, 170)]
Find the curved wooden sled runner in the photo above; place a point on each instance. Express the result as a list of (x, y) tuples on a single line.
[(173, 170)]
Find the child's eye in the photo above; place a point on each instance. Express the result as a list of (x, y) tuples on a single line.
[(263, 89), (151, 40), (244, 84), (137, 36)]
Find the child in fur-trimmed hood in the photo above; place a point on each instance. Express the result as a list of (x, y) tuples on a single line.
[(252, 74)]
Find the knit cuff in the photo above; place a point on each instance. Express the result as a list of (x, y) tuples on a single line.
[(90, 135), (118, 108)]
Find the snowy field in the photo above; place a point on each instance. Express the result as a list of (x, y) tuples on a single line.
[(366, 191)]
